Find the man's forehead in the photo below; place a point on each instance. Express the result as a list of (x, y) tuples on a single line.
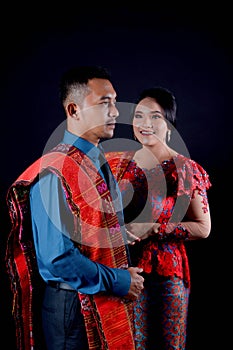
[(102, 87)]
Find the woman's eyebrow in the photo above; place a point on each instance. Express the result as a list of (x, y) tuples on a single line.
[(140, 111)]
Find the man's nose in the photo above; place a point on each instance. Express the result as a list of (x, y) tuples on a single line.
[(113, 111)]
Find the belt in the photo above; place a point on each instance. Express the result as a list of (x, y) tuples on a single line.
[(61, 285)]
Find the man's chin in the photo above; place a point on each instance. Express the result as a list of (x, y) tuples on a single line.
[(109, 134)]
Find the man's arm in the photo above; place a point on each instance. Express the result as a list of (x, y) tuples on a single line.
[(58, 258)]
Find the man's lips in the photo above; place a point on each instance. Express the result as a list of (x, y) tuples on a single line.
[(112, 125)]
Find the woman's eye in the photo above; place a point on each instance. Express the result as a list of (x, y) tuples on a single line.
[(137, 116), (155, 116)]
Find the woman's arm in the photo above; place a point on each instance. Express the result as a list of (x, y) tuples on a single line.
[(195, 225), (197, 219)]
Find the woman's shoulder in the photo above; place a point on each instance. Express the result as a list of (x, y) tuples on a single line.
[(185, 161), (190, 169)]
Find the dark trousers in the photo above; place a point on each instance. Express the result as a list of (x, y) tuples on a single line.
[(63, 322)]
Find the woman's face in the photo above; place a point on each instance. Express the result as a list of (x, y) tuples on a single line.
[(149, 123)]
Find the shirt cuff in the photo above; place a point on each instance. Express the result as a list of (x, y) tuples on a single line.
[(122, 284)]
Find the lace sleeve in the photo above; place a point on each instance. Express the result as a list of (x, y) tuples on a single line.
[(191, 177)]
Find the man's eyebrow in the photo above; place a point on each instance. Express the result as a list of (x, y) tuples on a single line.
[(104, 97), (107, 97)]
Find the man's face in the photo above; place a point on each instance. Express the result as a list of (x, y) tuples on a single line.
[(98, 114)]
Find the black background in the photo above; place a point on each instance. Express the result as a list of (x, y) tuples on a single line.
[(186, 48)]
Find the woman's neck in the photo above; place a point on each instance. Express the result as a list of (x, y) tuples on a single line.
[(148, 156)]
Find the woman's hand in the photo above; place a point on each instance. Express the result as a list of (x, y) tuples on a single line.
[(131, 238), (137, 231)]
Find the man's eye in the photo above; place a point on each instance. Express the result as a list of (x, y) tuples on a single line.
[(108, 103), (104, 104), (137, 116)]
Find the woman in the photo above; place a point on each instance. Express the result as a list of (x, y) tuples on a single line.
[(166, 204)]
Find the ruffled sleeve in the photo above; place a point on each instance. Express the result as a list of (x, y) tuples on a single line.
[(191, 177)]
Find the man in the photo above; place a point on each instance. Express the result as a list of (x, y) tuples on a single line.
[(78, 246)]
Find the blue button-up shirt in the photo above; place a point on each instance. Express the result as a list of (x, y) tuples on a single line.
[(52, 224)]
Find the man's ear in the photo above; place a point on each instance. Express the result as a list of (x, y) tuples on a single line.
[(73, 110)]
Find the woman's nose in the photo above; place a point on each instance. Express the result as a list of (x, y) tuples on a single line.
[(147, 123)]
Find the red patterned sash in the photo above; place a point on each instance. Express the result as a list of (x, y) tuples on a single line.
[(108, 318)]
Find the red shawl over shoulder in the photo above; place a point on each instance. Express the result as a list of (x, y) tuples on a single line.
[(108, 318)]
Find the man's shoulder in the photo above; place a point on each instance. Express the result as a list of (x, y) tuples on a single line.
[(41, 163)]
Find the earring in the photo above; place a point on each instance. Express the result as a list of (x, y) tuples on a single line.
[(168, 135)]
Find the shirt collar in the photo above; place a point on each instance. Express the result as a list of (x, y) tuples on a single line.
[(85, 146)]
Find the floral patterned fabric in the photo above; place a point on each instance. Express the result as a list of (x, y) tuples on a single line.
[(161, 194)]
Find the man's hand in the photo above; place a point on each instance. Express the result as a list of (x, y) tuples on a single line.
[(136, 285)]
